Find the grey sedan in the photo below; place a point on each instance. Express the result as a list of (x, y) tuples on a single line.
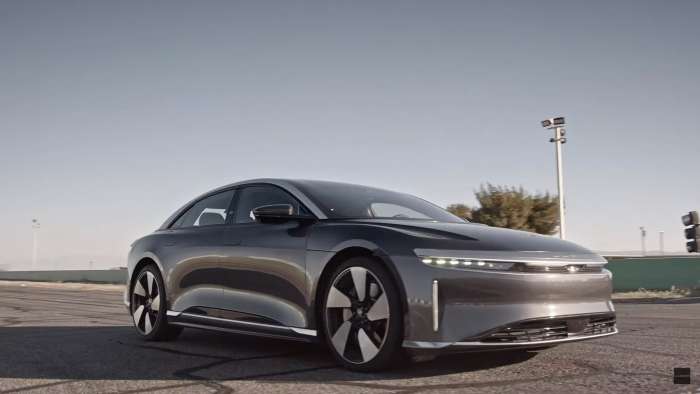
[(372, 273)]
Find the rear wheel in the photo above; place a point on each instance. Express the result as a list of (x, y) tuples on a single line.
[(148, 306), (362, 316)]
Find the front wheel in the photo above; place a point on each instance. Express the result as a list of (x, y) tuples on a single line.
[(148, 305), (362, 316)]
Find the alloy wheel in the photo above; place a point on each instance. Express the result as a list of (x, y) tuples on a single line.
[(145, 302), (357, 315)]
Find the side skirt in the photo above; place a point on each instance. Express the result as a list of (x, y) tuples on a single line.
[(240, 326)]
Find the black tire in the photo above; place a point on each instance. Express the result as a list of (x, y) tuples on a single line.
[(363, 328), (149, 318)]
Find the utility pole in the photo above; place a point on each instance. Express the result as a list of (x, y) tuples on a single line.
[(661, 243), (644, 235), (557, 124), (35, 241)]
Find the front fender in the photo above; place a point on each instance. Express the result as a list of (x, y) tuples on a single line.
[(138, 253)]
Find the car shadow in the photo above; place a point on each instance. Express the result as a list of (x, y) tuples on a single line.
[(117, 353)]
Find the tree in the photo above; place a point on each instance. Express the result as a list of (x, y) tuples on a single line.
[(460, 210), (511, 207), (544, 218)]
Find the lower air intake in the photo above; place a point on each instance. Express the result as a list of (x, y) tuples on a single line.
[(550, 329)]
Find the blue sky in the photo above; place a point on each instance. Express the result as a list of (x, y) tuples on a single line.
[(113, 114)]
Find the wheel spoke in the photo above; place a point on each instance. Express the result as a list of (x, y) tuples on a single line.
[(380, 309), (336, 299), (340, 338), (148, 326), (359, 278), (138, 289), (138, 313), (149, 280), (155, 304), (373, 289), (367, 347)]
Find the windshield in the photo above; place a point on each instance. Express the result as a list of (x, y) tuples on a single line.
[(346, 201)]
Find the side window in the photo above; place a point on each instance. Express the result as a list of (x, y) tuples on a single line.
[(387, 210), (210, 211), (255, 196)]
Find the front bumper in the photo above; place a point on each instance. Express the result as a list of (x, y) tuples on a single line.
[(458, 309)]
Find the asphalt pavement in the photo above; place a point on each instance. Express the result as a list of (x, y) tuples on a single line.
[(78, 338)]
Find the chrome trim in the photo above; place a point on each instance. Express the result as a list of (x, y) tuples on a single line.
[(477, 344), (243, 322), (173, 313), (436, 321), (302, 331), (426, 344)]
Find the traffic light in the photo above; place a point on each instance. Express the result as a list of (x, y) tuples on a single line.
[(692, 231)]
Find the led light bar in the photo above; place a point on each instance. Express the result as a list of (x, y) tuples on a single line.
[(467, 263)]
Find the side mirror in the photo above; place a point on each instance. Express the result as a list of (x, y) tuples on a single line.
[(277, 212)]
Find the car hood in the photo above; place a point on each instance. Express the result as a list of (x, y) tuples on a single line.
[(485, 242)]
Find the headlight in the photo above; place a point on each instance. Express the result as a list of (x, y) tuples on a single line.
[(449, 262)]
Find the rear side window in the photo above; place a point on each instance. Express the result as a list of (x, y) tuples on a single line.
[(388, 210), (256, 196), (210, 211)]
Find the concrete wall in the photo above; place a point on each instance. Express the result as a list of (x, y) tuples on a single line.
[(94, 276), (654, 273)]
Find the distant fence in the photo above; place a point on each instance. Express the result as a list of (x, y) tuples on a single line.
[(629, 273), (654, 273), (92, 276)]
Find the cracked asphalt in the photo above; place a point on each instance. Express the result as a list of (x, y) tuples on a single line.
[(78, 338)]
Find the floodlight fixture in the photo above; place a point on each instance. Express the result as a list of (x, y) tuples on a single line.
[(691, 218), (692, 231), (554, 122)]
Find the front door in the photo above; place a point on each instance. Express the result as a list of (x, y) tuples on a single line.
[(194, 254), (265, 275)]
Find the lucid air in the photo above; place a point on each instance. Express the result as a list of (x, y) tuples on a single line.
[(372, 273)]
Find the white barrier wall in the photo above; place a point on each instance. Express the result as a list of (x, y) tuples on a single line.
[(94, 276)]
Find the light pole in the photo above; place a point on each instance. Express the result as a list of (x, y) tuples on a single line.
[(557, 124), (661, 243), (35, 241), (644, 236)]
